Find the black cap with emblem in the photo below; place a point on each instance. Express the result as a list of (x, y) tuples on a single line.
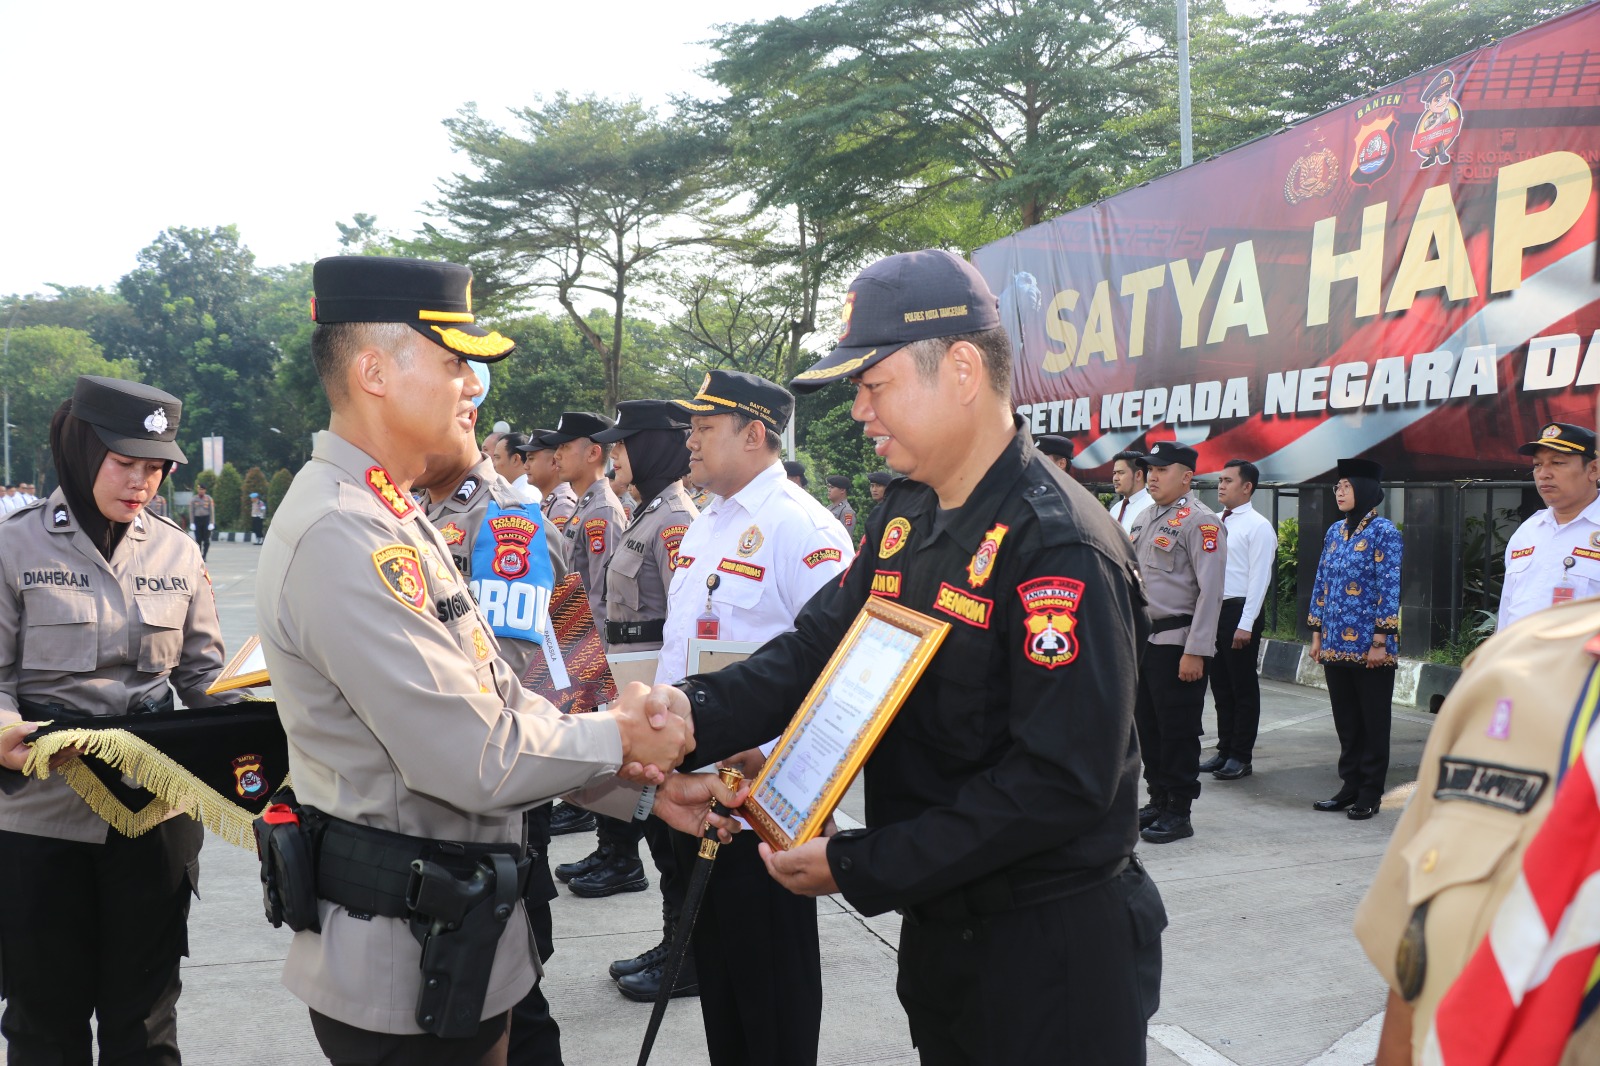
[(130, 418), (536, 442), (726, 392), (635, 416), (435, 299), (909, 297), (1167, 452), (577, 424), (1563, 437)]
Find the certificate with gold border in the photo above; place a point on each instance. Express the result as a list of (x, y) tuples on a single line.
[(844, 715), (247, 669)]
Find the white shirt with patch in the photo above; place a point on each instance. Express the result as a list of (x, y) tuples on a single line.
[(1536, 562)]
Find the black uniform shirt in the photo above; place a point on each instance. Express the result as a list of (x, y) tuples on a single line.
[(1016, 751)]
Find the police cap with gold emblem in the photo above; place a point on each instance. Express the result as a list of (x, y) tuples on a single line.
[(575, 425), (1563, 437), (130, 418), (634, 416), (727, 392), (435, 299), (896, 301)]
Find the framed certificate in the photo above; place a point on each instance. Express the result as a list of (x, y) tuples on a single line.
[(247, 669), (846, 712)]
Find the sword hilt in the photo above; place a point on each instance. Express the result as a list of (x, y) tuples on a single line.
[(709, 841)]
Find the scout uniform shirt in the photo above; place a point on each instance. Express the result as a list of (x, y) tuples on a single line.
[(1486, 782), (845, 514), (401, 715), (1183, 558), (98, 636), (560, 505), (510, 556), (1547, 562), (771, 546), (591, 534), (641, 568)]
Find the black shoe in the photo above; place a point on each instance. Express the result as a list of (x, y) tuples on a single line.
[(619, 873), (1232, 770), (639, 963), (1338, 803), (1213, 764), (1172, 825), (568, 818), (645, 986), (1148, 814), (592, 861), (1361, 812)]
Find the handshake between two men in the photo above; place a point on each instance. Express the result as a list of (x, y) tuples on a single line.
[(657, 732)]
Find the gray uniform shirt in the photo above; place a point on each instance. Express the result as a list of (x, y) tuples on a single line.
[(401, 715), (592, 533), (641, 567), (98, 636), (845, 514), (560, 505), (1183, 558)]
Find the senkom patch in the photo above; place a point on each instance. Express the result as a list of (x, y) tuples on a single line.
[(1049, 633), (973, 610), (401, 569)]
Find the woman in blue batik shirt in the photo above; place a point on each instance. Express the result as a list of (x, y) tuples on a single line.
[(1355, 624)]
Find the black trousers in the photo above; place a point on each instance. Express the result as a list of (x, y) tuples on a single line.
[(1362, 712), (623, 836), (760, 967), (1235, 685), (95, 930), (202, 537), (1070, 981), (535, 1037), (1168, 714), (345, 1045), (257, 527)]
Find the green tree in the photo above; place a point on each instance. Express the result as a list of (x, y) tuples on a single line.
[(731, 318), (277, 489), (583, 205), (227, 491), (40, 367)]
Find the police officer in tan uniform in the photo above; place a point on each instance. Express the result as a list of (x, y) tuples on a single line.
[(559, 500), (1183, 557), (592, 530), (1486, 782), (103, 609), (408, 734)]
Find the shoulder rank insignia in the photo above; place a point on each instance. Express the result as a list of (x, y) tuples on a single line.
[(382, 486), (982, 564), (894, 537), (653, 505), (61, 517), (401, 570), (468, 489), (1049, 635)]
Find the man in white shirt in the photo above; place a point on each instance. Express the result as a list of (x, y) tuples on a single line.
[(512, 464), (1554, 556), (1127, 478), (745, 567), (1235, 684)]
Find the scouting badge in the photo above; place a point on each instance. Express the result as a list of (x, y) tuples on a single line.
[(750, 542), (982, 563), (1209, 532), (401, 570), (894, 537), (1049, 636)]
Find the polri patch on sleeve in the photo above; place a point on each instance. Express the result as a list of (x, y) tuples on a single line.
[(1506, 788), (401, 569), (1209, 534), (823, 555), (383, 487), (1049, 632), (595, 530), (671, 537)]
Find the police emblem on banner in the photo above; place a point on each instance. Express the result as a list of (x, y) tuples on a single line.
[(982, 564), (894, 537), (248, 782), (401, 570), (1049, 633), (1374, 148), (1312, 175)]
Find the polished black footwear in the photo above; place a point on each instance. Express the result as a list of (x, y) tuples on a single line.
[(1213, 764), (1172, 825), (619, 873), (1361, 812), (641, 962), (592, 861), (1232, 770), (645, 986), (1148, 814), (568, 818), (1335, 804)]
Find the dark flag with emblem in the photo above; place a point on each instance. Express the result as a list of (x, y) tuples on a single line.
[(579, 652), (217, 764)]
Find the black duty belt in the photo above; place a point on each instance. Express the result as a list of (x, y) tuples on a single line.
[(1009, 891), (635, 632), (35, 711), (1177, 621), (368, 871)]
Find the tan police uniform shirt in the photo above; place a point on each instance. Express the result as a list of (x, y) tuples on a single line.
[(401, 715), (1183, 558), (1485, 785), (592, 534), (98, 636), (560, 505), (459, 519), (641, 567)]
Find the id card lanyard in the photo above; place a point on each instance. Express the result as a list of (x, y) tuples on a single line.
[(1565, 591), (708, 626)]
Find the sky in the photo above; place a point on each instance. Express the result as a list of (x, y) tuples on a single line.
[(123, 119)]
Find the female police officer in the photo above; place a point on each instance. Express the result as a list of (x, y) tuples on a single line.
[(103, 608)]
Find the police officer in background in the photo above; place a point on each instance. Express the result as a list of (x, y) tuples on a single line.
[(202, 518), (93, 923), (795, 471), (878, 484), (1128, 479), (1555, 555), (839, 502), (511, 463), (592, 530), (557, 500), (410, 739), (1001, 799), (1183, 556), (1058, 448)]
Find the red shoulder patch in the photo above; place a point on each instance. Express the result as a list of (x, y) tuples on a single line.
[(1209, 532), (672, 536), (595, 530), (382, 486), (452, 533), (1049, 634), (823, 555)]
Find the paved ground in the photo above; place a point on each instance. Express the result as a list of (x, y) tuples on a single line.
[(1260, 965)]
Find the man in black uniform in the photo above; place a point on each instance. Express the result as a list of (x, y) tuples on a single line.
[(1001, 801)]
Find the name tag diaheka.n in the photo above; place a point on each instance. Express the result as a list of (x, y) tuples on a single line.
[(843, 717)]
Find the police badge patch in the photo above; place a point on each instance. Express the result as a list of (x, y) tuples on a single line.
[(248, 782), (452, 533), (894, 537), (1210, 533), (401, 570), (1049, 633), (750, 542), (595, 530)]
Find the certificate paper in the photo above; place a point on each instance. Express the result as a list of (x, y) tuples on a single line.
[(852, 703)]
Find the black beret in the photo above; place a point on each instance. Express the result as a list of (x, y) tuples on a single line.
[(1055, 444), (880, 477), (793, 468), (838, 481), (435, 299)]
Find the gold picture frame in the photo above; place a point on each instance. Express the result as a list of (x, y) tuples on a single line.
[(247, 669), (841, 721)]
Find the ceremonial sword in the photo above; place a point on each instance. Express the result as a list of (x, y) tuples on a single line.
[(709, 843)]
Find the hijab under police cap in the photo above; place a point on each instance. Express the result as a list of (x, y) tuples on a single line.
[(435, 299)]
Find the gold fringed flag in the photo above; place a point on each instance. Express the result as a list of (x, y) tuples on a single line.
[(572, 673), (219, 765)]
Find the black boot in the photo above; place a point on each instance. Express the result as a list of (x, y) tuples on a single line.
[(645, 986), (592, 861), (640, 963), (567, 818), (1151, 810), (1172, 825), (619, 873)]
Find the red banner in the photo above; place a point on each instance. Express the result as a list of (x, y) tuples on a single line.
[(1411, 278)]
